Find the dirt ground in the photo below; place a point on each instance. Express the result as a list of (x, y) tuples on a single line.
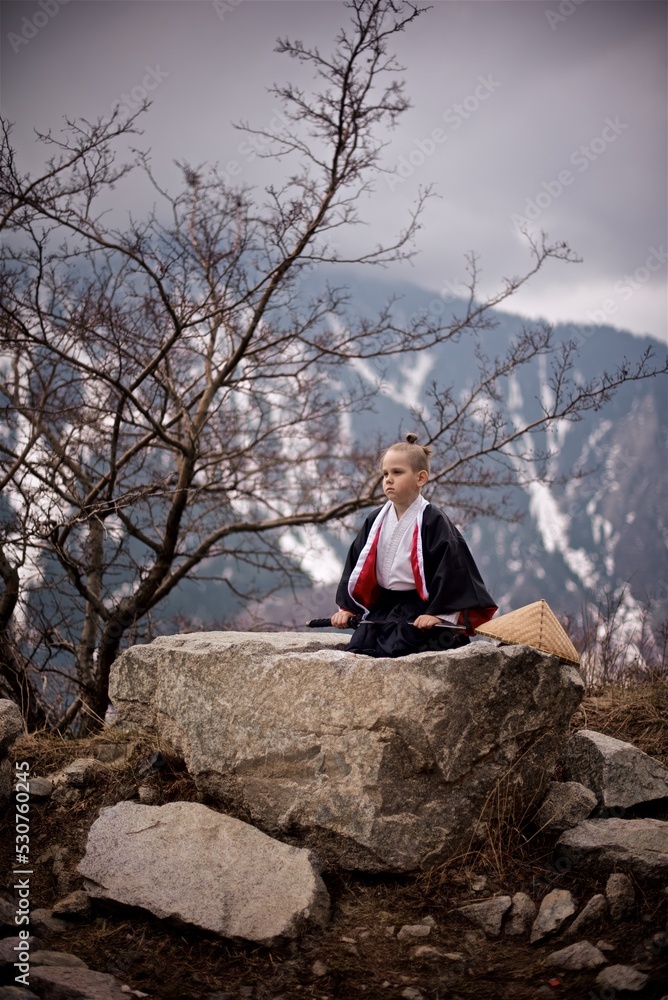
[(358, 955)]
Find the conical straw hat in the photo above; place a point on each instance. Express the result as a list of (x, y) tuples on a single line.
[(533, 625)]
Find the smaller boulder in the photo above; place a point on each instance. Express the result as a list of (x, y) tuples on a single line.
[(566, 804), (635, 846), (521, 915), (44, 922), (620, 894), (581, 955), (76, 984), (16, 993), (620, 775), (7, 915), (76, 906), (622, 977), (61, 958), (487, 914), (40, 788), (409, 932), (79, 772), (189, 864), (555, 909), (591, 915)]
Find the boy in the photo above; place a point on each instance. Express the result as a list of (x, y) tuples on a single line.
[(409, 569)]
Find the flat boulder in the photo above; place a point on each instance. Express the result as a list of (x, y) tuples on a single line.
[(376, 764), (619, 774), (185, 863), (634, 846)]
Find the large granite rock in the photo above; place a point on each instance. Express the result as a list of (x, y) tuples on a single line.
[(377, 764), (635, 846), (191, 865), (619, 774)]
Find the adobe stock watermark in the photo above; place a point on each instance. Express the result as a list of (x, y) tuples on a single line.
[(22, 874), (454, 117), (31, 26), (562, 13), (223, 7), (627, 286), (131, 102), (582, 158)]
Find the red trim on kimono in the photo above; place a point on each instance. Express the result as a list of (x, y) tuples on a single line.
[(417, 561)]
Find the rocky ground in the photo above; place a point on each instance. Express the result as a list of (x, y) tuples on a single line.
[(388, 937)]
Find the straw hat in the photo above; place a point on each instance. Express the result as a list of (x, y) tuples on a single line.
[(533, 625)]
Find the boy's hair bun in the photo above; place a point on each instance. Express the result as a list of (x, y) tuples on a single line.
[(417, 454)]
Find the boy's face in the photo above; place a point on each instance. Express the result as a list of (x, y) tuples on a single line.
[(401, 483)]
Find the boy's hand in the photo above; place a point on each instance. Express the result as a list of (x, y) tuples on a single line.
[(341, 619), (426, 621)]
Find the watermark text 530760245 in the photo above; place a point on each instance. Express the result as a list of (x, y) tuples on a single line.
[(22, 871)]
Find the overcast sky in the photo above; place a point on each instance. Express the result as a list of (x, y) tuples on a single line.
[(553, 112)]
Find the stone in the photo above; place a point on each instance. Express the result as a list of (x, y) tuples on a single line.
[(63, 795), (592, 914), (488, 914), (147, 795), (9, 947), (81, 772), (566, 804), (474, 941), (412, 993), (75, 984), (319, 968), (521, 915), (11, 724), (426, 953), (7, 914), (62, 958), (376, 764), (620, 894), (581, 955), (622, 977), (635, 846), (111, 753), (411, 931), (43, 921), (620, 775), (75, 906), (40, 788), (555, 909), (6, 779), (184, 862), (16, 993)]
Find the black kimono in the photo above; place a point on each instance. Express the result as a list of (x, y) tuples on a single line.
[(447, 581)]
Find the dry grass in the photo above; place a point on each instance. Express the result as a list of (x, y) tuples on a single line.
[(170, 963), (637, 715)]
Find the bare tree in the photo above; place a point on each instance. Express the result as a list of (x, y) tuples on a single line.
[(173, 393)]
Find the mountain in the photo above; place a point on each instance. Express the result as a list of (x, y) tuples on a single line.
[(597, 535)]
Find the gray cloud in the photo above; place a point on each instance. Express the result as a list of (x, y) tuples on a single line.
[(518, 93)]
